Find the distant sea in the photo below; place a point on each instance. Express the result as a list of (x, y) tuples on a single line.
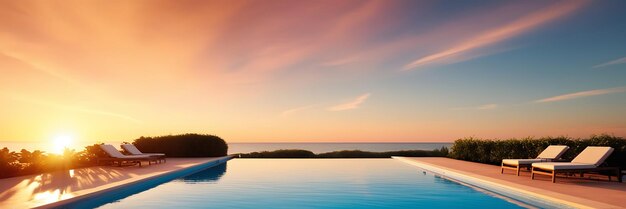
[(329, 147), (257, 147)]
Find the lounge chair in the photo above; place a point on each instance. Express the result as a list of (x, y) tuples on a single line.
[(589, 160), (134, 152), (551, 153), (116, 156)]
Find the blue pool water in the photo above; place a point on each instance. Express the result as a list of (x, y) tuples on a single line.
[(305, 183)]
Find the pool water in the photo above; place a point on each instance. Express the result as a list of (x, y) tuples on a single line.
[(308, 183)]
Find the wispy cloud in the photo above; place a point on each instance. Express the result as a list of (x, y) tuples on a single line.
[(74, 108), (481, 107), (342, 61), (353, 104), (491, 36), (487, 107), (583, 94), (38, 66), (297, 109), (614, 62)]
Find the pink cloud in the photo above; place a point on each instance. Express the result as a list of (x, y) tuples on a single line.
[(582, 94), (74, 108), (353, 104)]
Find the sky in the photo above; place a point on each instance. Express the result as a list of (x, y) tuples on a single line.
[(311, 71)]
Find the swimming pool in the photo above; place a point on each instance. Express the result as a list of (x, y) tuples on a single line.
[(305, 183)]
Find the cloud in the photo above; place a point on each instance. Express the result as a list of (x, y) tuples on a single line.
[(461, 51), (342, 61), (22, 98), (614, 62), (481, 107), (32, 64), (297, 109), (487, 107), (583, 94), (353, 104)]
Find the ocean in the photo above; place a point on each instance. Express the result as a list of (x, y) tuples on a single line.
[(257, 147), (329, 147)]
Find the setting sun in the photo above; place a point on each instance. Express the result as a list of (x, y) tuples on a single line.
[(60, 142)]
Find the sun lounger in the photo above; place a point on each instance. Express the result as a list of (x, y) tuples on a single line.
[(589, 160), (551, 153), (116, 156), (134, 151)]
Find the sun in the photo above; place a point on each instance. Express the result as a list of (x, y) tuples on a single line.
[(61, 142)]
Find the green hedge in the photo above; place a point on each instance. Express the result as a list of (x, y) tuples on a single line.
[(185, 145), (365, 154), (493, 151), (296, 153), (283, 153)]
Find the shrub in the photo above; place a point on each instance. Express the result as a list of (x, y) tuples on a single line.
[(351, 154), (185, 145), (493, 151), (365, 154), (26, 162), (296, 153), (92, 153), (9, 164), (283, 153)]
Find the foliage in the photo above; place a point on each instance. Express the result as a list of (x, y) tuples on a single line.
[(25, 162), (283, 153), (296, 153), (185, 145), (188, 145), (9, 163), (365, 154), (493, 151)]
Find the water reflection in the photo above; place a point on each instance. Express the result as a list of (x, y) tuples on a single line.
[(209, 175)]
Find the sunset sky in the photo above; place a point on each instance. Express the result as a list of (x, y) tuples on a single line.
[(311, 71)]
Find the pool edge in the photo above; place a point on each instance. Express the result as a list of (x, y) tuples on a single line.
[(198, 167), (490, 185)]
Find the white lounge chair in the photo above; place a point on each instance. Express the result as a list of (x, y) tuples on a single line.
[(551, 153), (135, 152), (116, 156), (589, 160)]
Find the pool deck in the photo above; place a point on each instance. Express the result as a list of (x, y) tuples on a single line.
[(577, 192), (49, 189)]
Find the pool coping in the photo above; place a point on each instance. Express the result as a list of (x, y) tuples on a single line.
[(497, 185), (77, 198)]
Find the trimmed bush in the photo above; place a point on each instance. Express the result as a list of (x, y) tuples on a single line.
[(364, 154), (185, 145), (283, 153), (493, 151), (353, 154), (296, 153)]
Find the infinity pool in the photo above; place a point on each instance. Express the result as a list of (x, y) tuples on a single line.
[(305, 183)]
